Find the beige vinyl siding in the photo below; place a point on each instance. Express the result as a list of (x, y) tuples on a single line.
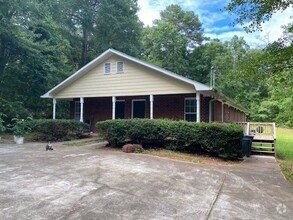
[(135, 80)]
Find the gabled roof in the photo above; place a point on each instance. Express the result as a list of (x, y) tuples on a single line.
[(108, 53), (204, 89)]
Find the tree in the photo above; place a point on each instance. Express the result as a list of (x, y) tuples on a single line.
[(186, 23), (238, 48), (165, 47), (32, 56), (42, 42), (97, 25), (118, 27), (252, 14), (171, 40), (276, 62)]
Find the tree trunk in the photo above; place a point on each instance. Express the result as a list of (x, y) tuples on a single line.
[(84, 52)]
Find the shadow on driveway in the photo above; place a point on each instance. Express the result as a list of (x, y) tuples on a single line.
[(89, 183)]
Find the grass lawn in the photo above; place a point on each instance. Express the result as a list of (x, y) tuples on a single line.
[(285, 151)]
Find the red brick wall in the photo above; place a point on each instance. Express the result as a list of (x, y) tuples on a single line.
[(165, 106), (128, 105), (217, 111), (172, 106), (204, 108)]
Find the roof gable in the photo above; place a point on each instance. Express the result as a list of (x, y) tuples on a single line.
[(106, 55)]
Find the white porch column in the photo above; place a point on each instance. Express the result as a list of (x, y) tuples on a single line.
[(222, 111), (54, 108), (81, 100), (151, 106), (197, 107), (113, 107)]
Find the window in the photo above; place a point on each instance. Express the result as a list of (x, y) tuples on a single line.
[(107, 68), (77, 110), (190, 109), (120, 67)]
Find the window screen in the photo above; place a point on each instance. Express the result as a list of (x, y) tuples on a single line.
[(120, 67), (190, 109), (107, 68)]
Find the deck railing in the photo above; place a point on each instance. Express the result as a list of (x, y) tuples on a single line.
[(264, 140), (259, 129)]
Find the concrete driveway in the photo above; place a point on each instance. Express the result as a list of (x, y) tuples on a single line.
[(90, 183)]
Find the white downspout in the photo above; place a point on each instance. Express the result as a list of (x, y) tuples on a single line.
[(54, 108), (151, 106), (113, 107), (197, 107), (81, 100)]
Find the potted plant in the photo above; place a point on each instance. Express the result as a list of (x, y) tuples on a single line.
[(2, 127), (19, 128)]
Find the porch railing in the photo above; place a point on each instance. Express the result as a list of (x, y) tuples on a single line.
[(264, 133)]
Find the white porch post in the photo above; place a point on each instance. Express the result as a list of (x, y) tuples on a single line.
[(197, 107), (151, 106), (54, 108), (113, 107), (81, 100), (222, 111)]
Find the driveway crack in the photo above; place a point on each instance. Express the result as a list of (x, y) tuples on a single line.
[(219, 191)]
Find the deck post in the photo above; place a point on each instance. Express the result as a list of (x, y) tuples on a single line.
[(81, 100), (151, 106), (197, 107), (54, 108), (247, 128), (113, 107)]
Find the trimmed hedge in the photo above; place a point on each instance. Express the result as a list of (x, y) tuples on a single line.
[(57, 130), (222, 140)]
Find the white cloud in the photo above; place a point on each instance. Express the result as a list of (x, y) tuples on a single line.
[(273, 28), (219, 29), (150, 10), (148, 13)]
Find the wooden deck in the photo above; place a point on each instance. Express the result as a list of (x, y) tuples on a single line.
[(264, 140)]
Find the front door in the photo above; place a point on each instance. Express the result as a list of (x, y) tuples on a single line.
[(138, 108), (120, 110)]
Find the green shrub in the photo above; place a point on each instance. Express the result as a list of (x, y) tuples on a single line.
[(20, 126), (58, 129), (222, 140), (2, 126)]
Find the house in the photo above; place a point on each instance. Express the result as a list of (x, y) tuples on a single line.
[(116, 85)]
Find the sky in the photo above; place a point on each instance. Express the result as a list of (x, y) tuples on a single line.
[(217, 23)]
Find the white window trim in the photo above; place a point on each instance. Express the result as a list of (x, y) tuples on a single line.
[(189, 98), (105, 68), (117, 67), (134, 100)]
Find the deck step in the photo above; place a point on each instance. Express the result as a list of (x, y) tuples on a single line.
[(263, 147), (263, 151)]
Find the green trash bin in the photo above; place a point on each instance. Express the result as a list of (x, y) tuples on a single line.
[(246, 145)]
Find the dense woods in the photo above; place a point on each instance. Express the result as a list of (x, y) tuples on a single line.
[(43, 42)]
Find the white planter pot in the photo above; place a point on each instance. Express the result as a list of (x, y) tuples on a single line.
[(18, 139)]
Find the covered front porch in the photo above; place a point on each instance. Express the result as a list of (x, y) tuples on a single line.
[(193, 107), (190, 107)]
